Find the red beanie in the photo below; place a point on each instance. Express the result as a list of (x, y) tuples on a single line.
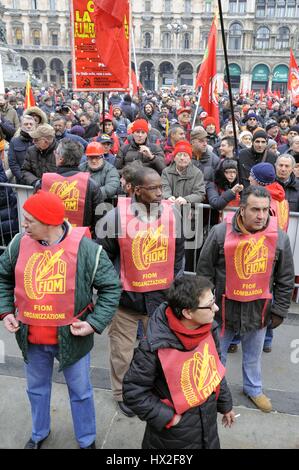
[(183, 146), (209, 120), (45, 207), (140, 125)]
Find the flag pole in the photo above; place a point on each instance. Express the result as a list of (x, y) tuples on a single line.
[(228, 78), (196, 109), (135, 58)]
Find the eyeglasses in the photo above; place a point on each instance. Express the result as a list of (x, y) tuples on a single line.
[(209, 306), (152, 188)]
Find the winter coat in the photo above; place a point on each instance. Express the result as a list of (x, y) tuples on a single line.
[(37, 162), (18, 147), (8, 210), (291, 188), (248, 158), (9, 113), (207, 163), (39, 112), (94, 270), (190, 186), (108, 231), (106, 178), (91, 131), (130, 152), (219, 199), (7, 129), (144, 386), (247, 316), (76, 138)]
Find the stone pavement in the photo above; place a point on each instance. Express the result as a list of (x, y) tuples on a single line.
[(253, 429)]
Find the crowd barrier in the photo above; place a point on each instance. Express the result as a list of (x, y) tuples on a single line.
[(204, 217)]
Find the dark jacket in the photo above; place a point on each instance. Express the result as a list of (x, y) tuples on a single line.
[(107, 231), (8, 210), (218, 200), (7, 129), (106, 178), (208, 164), (91, 131), (94, 270), (291, 188), (247, 159), (37, 162), (18, 147), (76, 138), (130, 152), (247, 316), (144, 387)]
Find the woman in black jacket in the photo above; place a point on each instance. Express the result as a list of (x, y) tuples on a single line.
[(225, 190), (176, 381)]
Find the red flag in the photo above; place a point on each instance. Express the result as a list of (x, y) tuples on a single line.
[(112, 37), (207, 78), (29, 97), (134, 82), (293, 81), (262, 94)]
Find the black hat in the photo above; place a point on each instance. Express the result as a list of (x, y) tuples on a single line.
[(259, 134), (271, 124)]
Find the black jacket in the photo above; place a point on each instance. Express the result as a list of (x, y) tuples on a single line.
[(247, 316), (107, 231), (291, 188), (130, 152), (247, 159), (144, 386), (18, 147), (208, 164), (37, 162)]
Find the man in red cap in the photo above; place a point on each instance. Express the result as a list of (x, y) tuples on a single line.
[(108, 129), (151, 155), (184, 120), (47, 277)]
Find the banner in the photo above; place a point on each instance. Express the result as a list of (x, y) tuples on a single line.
[(89, 71), (29, 97), (293, 82)]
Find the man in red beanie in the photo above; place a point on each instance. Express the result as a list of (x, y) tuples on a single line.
[(183, 184), (184, 120), (209, 123), (47, 277), (140, 148)]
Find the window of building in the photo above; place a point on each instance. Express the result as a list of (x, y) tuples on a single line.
[(187, 5), (15, 4), (147, 41), (204, 40), (187, 41), (271, 8), (19, 36), (235, 37), (291, 8), (36, 37), (168, 6), (260, 8), (166, 41), (237, 6), (54, 39), (52, 5), (281, 8), (34, 4), (208, 6), (283, 38), (147, 6), (262, 38), (242, 6)]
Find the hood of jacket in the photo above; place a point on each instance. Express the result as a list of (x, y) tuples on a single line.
[(39, 112), (276, 190)]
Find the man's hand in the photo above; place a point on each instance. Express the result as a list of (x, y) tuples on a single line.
[(237, 188), (81, 328), (228, 419), (11, 323), (276, 320), (181, 201), (146, 152)]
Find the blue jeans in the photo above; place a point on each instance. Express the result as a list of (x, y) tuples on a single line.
[(39, 384), (252, 348)]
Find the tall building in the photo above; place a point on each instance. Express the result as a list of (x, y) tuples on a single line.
[(39, 30), (170, 37)]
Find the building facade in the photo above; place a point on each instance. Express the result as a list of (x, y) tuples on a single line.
[(170, 38), (39, 30)]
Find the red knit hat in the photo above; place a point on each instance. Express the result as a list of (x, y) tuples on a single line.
[(209, 120), (183, 146), (140, 125), (45, 207), (183, 110)]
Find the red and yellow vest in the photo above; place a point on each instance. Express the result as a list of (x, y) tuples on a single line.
[(72, 191), (192, 376), (147, 249), (46, 280), (249, 261)]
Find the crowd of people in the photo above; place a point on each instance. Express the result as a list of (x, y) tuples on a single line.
[(147, 162)]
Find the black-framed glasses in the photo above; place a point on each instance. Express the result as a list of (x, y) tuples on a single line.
[(209, 306)]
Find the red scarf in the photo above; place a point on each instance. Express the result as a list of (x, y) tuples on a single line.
[(188, 338)]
